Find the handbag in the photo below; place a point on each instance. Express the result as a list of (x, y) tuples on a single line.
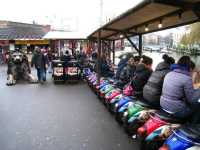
[(128, 90)]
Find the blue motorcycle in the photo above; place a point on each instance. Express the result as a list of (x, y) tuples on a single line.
[(185, 138), (124, 101)]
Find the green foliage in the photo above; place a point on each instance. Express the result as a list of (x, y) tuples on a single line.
[(184, 40), (193, 37)]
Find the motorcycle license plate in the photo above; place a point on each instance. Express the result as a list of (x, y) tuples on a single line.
[(58, 71), (72, 71)]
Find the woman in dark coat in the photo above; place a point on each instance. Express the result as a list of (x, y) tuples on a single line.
[(153, 89)]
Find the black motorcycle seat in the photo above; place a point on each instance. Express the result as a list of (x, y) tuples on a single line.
[(138, 94), (168, 117), (143, 103), (192, 131)]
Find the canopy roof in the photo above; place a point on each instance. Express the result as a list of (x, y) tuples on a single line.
[(148, 14), (65, 35)]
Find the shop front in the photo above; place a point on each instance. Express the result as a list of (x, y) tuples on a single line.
[(62, 45), (28, 46)]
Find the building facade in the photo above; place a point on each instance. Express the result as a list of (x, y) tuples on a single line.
[(22, 35)]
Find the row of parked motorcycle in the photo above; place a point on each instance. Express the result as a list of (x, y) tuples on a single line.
[(153, 128)]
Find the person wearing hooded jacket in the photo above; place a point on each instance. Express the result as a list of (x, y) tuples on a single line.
[(142, 73), (122, 64), (178, 92), (127, 72), (106, 67), (153, 89)]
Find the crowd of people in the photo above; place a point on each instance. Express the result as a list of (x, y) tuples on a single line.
[(42, 60), (171, 87)]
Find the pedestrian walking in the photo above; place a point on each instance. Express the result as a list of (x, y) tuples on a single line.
[(1, 55), (40, 61)]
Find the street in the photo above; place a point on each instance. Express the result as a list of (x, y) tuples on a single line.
[(56, 117)]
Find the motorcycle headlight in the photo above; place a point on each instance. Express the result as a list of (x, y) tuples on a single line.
[(130, 104), (17, 57), (116, 105), (125, 114)]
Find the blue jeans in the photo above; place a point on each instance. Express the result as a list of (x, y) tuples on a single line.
[(41, 74), (187, 112)]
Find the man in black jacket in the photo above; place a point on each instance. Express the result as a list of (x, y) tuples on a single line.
[(127, 72), (142, 73), (41, 64), (66, 58)]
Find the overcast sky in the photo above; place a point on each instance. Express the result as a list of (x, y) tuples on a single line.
[(77, 15), (85, 13)]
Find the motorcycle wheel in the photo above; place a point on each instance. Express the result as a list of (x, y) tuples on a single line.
[(131, 128), (118, 117), (151, 145)]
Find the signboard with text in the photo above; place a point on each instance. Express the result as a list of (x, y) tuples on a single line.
[(32, 42)]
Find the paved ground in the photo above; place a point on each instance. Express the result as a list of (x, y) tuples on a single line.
[(56, 117)]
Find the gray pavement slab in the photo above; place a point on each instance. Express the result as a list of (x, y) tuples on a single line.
[(56, 117)]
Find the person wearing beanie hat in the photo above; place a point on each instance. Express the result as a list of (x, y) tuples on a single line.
[(153, 89)]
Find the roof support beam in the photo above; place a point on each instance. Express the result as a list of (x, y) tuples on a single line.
[(174, 26), (106, 39), (120, 32), (113, 50), (106, 44), (156, 19), (128, 38), (140, 45), (196, 10), (182, 6), (99, 57), (197, 13), (175, 3), (117, 30), (148, 22), (111, 35), (110, 29)]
